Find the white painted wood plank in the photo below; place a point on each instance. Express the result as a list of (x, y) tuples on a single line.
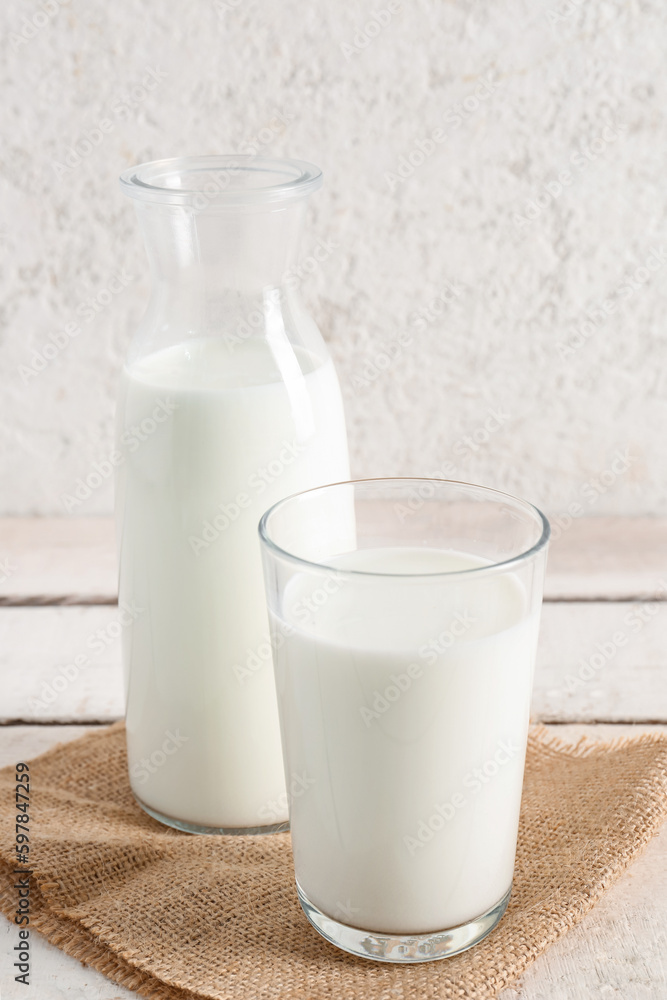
[(582, 674), (617, 951), (72, 560), (21, 743), (608, 558), (602, 661), (48, 560), (53, 975), (60, 663)]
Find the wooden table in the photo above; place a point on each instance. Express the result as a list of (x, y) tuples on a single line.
[(606, 575)]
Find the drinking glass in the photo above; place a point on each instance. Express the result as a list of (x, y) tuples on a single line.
[(404, 620)]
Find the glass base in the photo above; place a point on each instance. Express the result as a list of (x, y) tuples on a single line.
[(404, 947), (179, 824)]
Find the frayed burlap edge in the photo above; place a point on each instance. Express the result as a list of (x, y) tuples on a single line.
[(73, 939)]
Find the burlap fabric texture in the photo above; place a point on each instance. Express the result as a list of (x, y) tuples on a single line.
[(174, 916)]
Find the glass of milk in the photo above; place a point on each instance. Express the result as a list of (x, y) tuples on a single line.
[(404, 618), (228, 402)]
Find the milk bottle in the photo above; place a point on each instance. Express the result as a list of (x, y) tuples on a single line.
[(228, 402)]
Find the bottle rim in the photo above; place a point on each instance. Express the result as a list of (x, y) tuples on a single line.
[(201, 182)]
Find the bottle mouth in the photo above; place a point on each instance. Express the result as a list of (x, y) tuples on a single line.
[(201, 182)]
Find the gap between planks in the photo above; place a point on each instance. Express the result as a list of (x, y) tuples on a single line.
[(14, 723), (82, 601), (55, 600)]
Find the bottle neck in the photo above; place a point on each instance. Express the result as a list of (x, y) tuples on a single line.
[(229, 253), (219, 273)]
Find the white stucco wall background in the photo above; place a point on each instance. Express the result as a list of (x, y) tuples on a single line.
[(577, 86)]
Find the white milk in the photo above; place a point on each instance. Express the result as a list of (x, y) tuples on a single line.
[(404, 711), (210, 438)]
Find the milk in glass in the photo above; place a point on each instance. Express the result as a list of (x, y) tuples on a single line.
[(404, 711)]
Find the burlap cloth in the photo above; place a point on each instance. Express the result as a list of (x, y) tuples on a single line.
[(174, 916)]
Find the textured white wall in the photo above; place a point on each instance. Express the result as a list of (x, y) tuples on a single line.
[(575, 89)]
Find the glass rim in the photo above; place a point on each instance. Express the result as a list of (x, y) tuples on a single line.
[(147, 182), (495, 567)]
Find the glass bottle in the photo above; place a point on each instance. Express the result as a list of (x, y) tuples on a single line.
[(228, 402)]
